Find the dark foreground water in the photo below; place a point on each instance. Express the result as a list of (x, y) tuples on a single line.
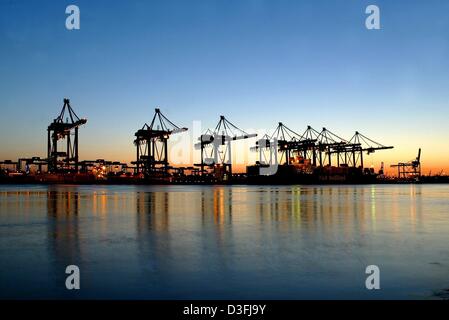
[(206, 242)]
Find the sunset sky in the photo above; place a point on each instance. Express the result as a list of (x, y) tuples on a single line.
[(256, 62)]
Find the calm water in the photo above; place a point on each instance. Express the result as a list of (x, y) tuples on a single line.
[(189, 242)]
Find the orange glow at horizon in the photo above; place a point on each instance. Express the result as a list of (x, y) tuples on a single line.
[(434, 159)]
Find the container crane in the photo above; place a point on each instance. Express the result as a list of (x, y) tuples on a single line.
[(152, 145), (215, 146), (68, 160), (411, 169)]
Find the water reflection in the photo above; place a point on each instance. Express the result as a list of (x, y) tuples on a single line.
[(153, 238), (63, 225), (178, 242)]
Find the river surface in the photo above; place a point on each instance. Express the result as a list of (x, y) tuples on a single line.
[(224, 242)]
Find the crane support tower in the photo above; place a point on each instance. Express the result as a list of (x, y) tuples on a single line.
[(411, 169), (216, 149), (152, 145), (58, 159)]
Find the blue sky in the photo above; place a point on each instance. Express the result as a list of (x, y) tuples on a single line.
[(257, 62)]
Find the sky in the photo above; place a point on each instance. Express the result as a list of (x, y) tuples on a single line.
[(256, 62)]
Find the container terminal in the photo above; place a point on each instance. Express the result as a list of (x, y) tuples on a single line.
[(284, 157)]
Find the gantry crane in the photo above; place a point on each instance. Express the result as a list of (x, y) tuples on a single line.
[(323, 148), (350, 153), (284, 141), (216, 149), (411, 169), (327, 142), (152, 147), (68, 160), (288, 142), (319, 146), (266, 144)]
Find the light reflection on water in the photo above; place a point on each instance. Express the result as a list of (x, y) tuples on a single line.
[(188, 242)]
